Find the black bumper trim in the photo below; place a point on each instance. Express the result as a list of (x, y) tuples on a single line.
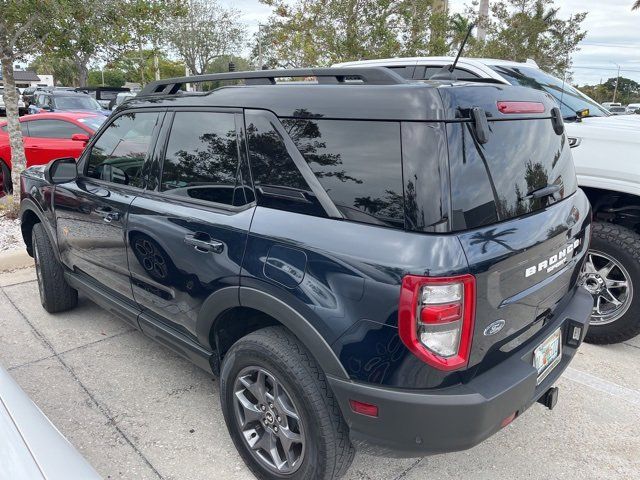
[(417, 423)]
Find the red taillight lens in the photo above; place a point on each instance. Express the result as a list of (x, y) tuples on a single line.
[(435, 318), (521, 107)]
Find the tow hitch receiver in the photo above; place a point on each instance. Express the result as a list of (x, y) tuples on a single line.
[(549, 398)]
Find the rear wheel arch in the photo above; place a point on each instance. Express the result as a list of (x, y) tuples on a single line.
[(224, 319), (29, 217)]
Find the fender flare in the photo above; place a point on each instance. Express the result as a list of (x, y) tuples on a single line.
[(230, 297), (29, 205)]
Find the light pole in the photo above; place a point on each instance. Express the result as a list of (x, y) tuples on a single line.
[(615, 90)]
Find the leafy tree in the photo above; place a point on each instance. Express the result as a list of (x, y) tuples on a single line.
[(112, 78), (522, 29), (205, 33), (628, 90), (92, 29), (636, 5), (20, 24), (321, 32), (139, 66), (62, 69)]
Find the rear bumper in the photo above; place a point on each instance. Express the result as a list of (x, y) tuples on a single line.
[(418, 423)]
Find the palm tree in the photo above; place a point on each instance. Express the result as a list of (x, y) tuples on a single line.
[(483, 14), (636, 5)]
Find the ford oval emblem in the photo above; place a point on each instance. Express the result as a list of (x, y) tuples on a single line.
[(494, 327)]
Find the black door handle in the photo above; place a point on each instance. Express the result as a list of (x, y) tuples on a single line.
[(204, 243)]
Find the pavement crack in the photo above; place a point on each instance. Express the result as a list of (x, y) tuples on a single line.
[(102, 408), (403, 473)]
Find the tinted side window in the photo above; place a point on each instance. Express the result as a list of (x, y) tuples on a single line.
[(358, 163), (119, 153), (278, 182), (53, 129), (201, 160)]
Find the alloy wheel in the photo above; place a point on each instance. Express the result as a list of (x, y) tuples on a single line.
[(610, 285), (269, 421)]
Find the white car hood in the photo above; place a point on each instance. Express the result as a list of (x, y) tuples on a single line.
[(619, 128)]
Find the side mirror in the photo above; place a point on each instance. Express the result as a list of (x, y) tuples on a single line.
[(61, 170), (80, 137)]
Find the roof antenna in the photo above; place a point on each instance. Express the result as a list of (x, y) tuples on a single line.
[(446, 72)]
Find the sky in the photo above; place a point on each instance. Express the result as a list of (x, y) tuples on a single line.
[(613, 35)]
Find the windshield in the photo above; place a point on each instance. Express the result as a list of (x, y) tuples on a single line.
[(77, 103), (571, 100), (94, 123)]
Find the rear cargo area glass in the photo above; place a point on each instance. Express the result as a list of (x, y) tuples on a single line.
[(494, 181)]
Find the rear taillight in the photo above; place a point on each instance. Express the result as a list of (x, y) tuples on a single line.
[(520, 107), (435, 318)]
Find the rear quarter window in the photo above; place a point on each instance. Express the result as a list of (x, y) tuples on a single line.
[(358, 163)]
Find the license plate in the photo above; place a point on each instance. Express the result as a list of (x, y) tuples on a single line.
[(547, 355)]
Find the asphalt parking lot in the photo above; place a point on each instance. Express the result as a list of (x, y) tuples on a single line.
[(136, 410)]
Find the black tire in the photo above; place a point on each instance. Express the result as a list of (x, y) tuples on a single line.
[(623, 246), (6, 185), (55, 293), (328, 453)]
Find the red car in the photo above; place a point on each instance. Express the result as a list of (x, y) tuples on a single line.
[(47, 136)]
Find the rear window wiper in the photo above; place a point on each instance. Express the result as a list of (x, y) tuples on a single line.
[(542, 192)]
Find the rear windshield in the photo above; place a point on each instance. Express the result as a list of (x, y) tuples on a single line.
[(496, 181)]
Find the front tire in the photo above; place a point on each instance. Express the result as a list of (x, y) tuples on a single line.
[(612, 276), (280, 411), (55, 293)]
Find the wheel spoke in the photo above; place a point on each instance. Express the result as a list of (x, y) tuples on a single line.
[(609, 297), (604, 271), (251, 413), (588, 265), (257, 387), (268, 443), (617, 284), (283, 404), (596, 308)]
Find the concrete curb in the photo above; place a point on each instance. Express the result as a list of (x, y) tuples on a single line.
[(14, 260)]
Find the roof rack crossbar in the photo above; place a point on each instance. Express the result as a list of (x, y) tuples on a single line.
[(367, 75)]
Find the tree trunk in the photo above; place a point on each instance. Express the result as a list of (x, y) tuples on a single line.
[(82, 71), (18, 159)]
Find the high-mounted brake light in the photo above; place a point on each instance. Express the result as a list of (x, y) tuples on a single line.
[(435, 318), (521, 107)]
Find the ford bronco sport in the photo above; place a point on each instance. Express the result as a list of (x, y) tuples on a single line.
[(363, 260)]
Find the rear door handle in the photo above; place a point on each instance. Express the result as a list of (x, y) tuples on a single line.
[(204, 243)]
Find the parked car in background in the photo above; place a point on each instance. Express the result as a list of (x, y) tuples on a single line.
[(29, 93), (633, 108), (47, 136), (609, 105), (105, 96), (21, 106), (605, 150), (379, 263), (65, 101), (30, 445), (618, 110), (121, 98)]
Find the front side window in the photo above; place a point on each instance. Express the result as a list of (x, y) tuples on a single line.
[(53, 129), (358, 163), (118, 155), (201, 161)]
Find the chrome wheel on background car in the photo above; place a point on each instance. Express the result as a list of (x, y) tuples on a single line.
[(610, 284), (269, 420)]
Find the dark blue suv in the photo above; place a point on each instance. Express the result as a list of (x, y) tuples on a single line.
[(363, 260)]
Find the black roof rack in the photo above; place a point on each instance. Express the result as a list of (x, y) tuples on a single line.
[(367, 75)]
